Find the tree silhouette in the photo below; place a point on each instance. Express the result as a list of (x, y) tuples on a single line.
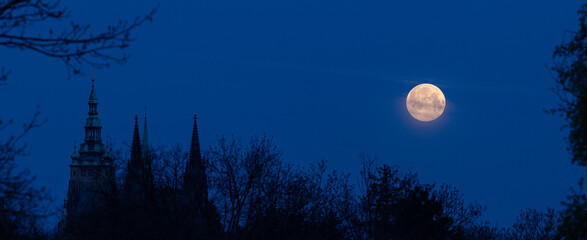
[(254, 194), (485, 231), (570, 67), (573, 223), (75, 46), (261, 197), (397, 206), (242, 180), (22, 205), (533, 224), (310, 205)]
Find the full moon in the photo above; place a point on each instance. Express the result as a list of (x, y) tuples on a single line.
[(425, 102)]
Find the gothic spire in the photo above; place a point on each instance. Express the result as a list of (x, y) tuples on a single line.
[(135, 154), (195, 156), (146, 150), (195, 174), (134, 167), (139, 180)]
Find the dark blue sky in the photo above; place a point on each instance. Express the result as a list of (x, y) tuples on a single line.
[(326, 79)]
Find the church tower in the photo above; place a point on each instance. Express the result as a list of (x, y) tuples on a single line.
[(146, 156), (195, 180), (91, 168), (139, 176)]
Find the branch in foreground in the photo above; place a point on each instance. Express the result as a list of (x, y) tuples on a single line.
[(75, 46)]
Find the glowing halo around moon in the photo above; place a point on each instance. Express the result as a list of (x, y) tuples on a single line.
[(425, 102)]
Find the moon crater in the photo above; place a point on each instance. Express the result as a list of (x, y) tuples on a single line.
[(425, 102)]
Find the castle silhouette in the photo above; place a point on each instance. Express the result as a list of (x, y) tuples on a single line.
[(92, 170)]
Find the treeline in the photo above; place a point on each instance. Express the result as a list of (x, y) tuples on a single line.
[(255, 194)]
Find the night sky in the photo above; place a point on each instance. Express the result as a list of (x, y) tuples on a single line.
[(325, 79)]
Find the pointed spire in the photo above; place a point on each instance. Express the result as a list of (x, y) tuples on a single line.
[(195, 180), (93, 98), (195, 156), (93, 128), (146, 163), (135, 155), (139, 180)]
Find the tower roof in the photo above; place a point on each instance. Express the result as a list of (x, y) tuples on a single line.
[(135, 155), (195, 155), (93, 128), (195, 180), (93, 98), (139, 178)]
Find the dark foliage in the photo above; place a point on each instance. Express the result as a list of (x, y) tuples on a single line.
[(573, 224), (278, 201), (532, 224), (570, 67), (397, 206)]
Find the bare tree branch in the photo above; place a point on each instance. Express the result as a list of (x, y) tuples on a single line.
[(22, 205), (75, 47)]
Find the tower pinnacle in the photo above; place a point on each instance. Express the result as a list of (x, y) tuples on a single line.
[(93, 139), (74, 155), (135, 155), (195, 148), (195, 180)]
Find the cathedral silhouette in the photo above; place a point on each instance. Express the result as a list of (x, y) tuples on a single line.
[(93, 170)]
